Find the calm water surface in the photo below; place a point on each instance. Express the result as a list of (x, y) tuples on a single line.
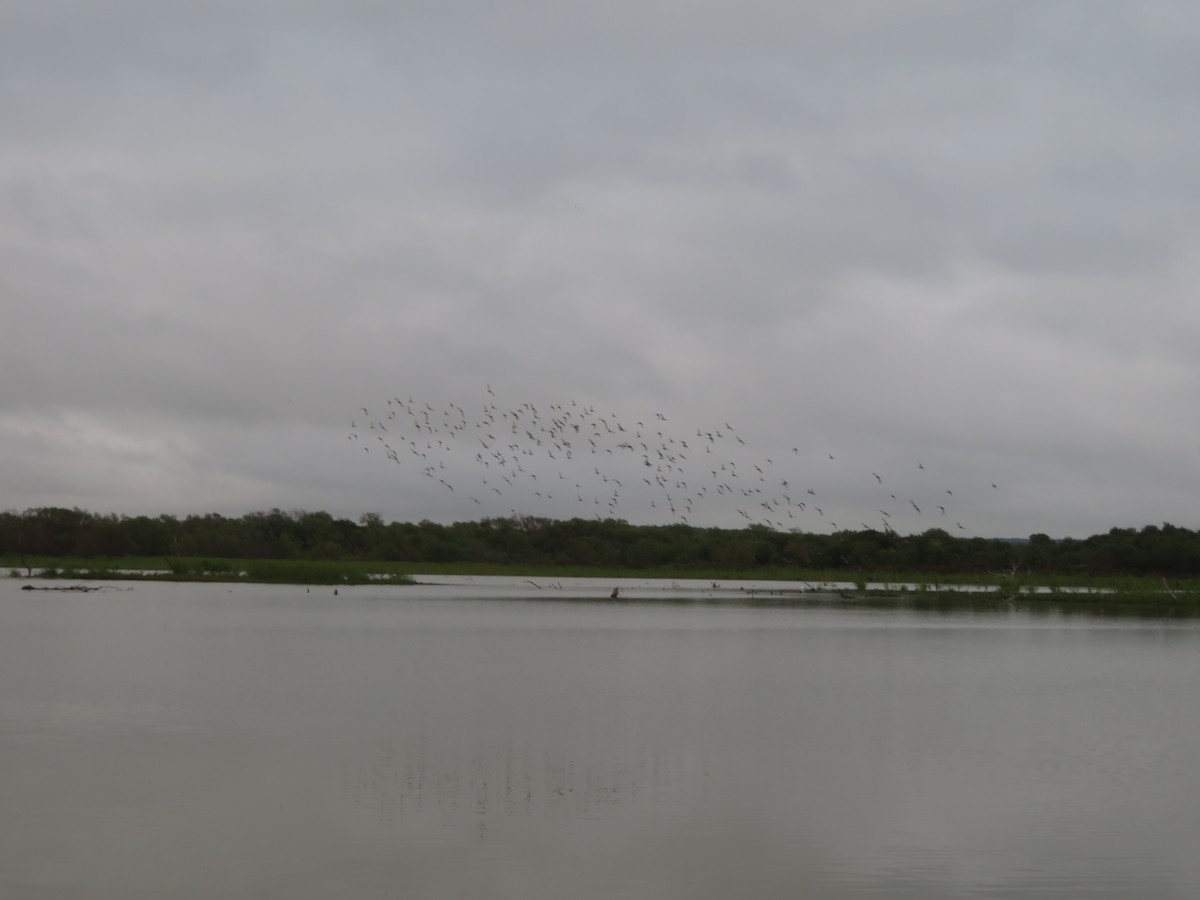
[(485, 740)]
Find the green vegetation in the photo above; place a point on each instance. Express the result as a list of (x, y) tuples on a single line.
[(1156, 567), (262, 571), (603, 545)]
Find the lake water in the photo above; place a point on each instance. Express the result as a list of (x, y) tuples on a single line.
[(497, 739)]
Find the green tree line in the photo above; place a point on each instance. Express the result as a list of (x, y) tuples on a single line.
[(51, 531)]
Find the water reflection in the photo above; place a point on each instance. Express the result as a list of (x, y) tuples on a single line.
[(453, 741), (514, 780)]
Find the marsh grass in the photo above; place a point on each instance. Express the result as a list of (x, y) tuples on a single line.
[(1120, 595), (266, 571)]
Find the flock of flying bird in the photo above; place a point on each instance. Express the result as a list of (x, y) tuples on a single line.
[(563, 460)]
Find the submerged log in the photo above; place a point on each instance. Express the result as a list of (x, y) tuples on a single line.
[(79, 588)]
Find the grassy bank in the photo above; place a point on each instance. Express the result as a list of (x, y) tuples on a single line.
[(257, 571), (1106, 594)]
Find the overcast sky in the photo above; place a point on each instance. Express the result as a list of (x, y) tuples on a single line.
[(947, 243)]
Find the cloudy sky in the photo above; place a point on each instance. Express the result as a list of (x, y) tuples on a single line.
[(948, 243)]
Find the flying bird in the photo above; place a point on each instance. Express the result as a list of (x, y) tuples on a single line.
[(542, 442)]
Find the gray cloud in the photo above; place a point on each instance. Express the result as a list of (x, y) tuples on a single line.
[(955, 233)]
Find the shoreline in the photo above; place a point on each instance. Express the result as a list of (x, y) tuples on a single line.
[(1144, 599)]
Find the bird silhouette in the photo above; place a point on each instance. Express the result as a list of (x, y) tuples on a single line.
[(532, 441)]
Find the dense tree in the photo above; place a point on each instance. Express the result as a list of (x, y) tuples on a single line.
[(1166, 550)]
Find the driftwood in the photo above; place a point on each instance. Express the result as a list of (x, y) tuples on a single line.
[(80, 588)]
